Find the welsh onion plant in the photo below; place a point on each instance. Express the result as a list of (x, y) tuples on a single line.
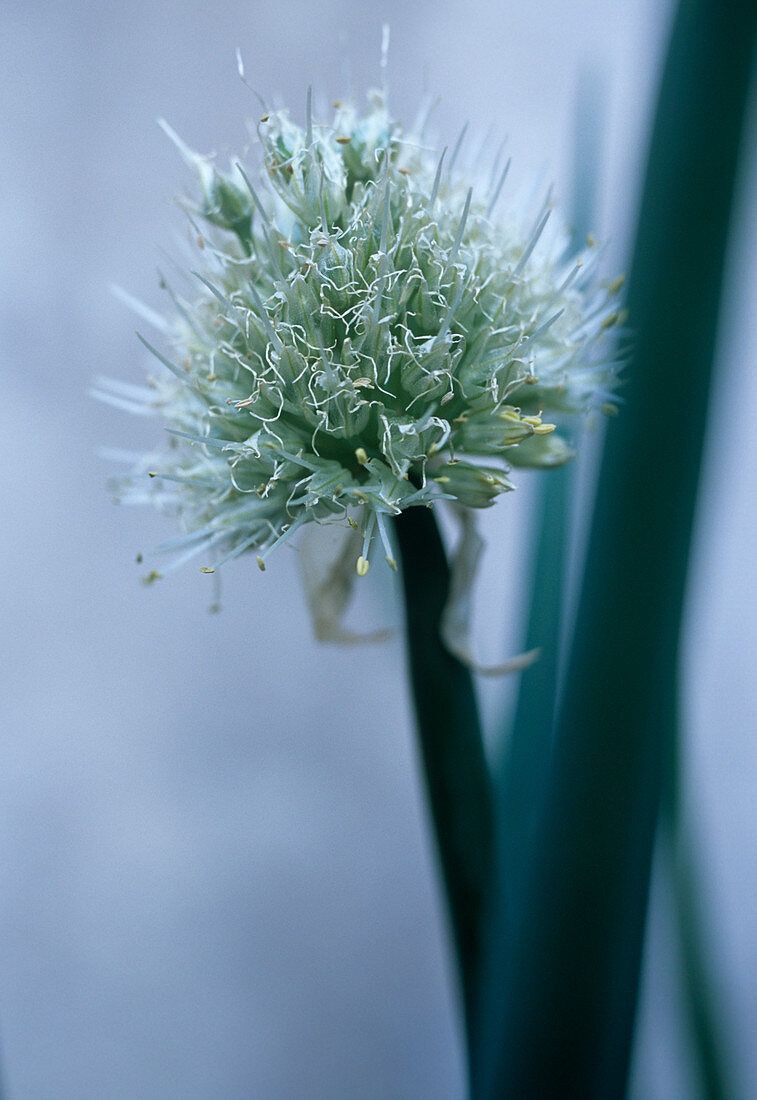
[(375, 334)]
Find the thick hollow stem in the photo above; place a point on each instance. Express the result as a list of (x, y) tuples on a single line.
[(452, 751)]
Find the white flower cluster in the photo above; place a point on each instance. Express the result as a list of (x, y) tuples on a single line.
[(366, 331)]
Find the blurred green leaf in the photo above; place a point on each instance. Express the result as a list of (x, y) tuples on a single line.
[(679, 860), (520, 776), (524, 772), (572, 970), (522, 769), (521, 766)]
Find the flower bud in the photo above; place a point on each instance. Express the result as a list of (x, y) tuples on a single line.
[(473, 486)]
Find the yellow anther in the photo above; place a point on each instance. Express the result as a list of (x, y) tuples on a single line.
[(591, 240), (544, 429), (443, 480), (264, 118), (206, 569), (616, 284), (404, 171), (344, 140), (363, 565), (261, 564), (432, 449), (352, 523), (200, 240), (392, 564), (534, 421), (609, 409), (151, 473), (361, 455), (531, 380), (610, 320), (511, 417)]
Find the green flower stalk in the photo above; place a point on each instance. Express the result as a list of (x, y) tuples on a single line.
[(367, 335)]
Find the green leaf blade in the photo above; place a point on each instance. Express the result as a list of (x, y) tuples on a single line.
[(573, 967)]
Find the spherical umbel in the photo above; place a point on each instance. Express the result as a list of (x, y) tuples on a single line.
[(367, 335)]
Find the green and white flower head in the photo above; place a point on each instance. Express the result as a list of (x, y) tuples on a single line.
[(368, 333)]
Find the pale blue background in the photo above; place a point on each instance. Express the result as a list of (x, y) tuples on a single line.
[(215, 872)]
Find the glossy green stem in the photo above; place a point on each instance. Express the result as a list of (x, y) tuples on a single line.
[(452, 750)]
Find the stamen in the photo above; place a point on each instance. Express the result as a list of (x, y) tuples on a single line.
[(384, 57), (240, 70), (539, 229), (495, 196), (458, 146), (362, 563), (461, 229), (309, 118), (437, 179), (283, 537), (234, 553), (140, 309), (166, 362), (391, 561)]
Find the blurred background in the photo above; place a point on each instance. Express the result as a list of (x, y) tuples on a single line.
[(216, 876)]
